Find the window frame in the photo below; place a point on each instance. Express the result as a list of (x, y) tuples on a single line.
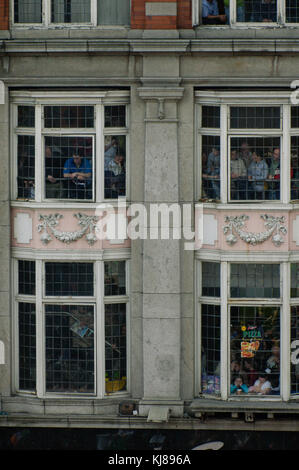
[(98, 301), (41, 99)]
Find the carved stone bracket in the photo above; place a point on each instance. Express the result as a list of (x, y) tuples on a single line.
[(50, 222), (235, 226)]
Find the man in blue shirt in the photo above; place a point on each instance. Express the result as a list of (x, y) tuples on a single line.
[(210, 13), (77, 172)]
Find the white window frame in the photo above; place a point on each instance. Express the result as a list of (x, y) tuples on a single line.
[(281, 17), (98, 100), (98, 300), (47, 23), (245, 98)]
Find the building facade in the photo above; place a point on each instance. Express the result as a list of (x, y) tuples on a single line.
[(181, 105)]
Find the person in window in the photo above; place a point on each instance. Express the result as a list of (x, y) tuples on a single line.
[(245, 154), (210, 13), (77, 172), (250, 370), (274, 174), (53, 173), (257, 174), (26, 177), (238, 175), (240, 10), (213, 173), (273, 365), (238, 387), (262, 385), (265, 11), (110, 152)]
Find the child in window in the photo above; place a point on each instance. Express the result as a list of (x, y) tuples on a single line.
[(238, 387)]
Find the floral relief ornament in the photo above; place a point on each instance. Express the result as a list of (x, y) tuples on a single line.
[(235, 226), (50, 222)]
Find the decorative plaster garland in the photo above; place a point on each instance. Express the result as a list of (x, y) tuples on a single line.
[(49, 222), (273, 224)]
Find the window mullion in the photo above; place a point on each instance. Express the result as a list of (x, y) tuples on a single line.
[(38, 154), (99, 152), (223, 153), (224, 359), (285, 370), (100, 329), (46, 12), (285, 157), (281, 16), (40, 331), (94, 12)]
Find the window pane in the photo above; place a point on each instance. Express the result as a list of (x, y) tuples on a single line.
[(255, 350), (255, 280), (211, 167), (26, 277), (28, 11), (115, 347), (68, 167), (257, 11), (210, 353), (70, 11), (294, 116), (115, 278), (295, 167), (255, 168), (26, 166), (294, 349), (69, 116), (211, 279), (69, 348), (292, 11), (26, 116), (294, 280), (215, 13), (115, 116), (72, 279), (115, 166), (114, 12), (251, 117), (210, 116), (27, 347)]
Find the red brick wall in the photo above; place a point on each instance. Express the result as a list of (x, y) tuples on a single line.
[(4, 9), (140, 21)]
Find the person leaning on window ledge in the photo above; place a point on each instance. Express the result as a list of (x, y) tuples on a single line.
[(210, 13)]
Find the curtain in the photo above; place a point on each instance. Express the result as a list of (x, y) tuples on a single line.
[(28, 11), (114, 12), (70, 11)]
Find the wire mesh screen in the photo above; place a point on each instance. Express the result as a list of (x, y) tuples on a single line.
[(69, 116), (255, 280), (75, 279), (295, 167), (26, 166), (28, 11), (26, 116), (210, 116), (210, 349), (255, 168), (255, 350), (27, 347), (70, 348), (26, 271), (210, 274), (292, 11), (115, 277), (251, 117), (210, 167), (294, 349), (68, 167), (257, 11), (115, 116), (115, 166), (115, 347), (70, 11)]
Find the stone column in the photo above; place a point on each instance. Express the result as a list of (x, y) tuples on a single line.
[(161, 303)]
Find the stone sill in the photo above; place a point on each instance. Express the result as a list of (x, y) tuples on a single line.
[(207, 405)]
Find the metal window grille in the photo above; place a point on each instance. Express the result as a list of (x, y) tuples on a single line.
[(59, 160), (255, 280), (70, 11), (115, 116), (251, 117), (295, 167), (255, 349), (255, 168), (210, 279), (27, 347), (26, 116), (211, 167), (115, 166), (115, 277), (210, 350), (292, 11), (69, 116), (257, 11), (294, 337), (26, 278), (26, 166), (70, 348), (27, 11), (65, 279), (210, 116), (115, 347), (294, 280)]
